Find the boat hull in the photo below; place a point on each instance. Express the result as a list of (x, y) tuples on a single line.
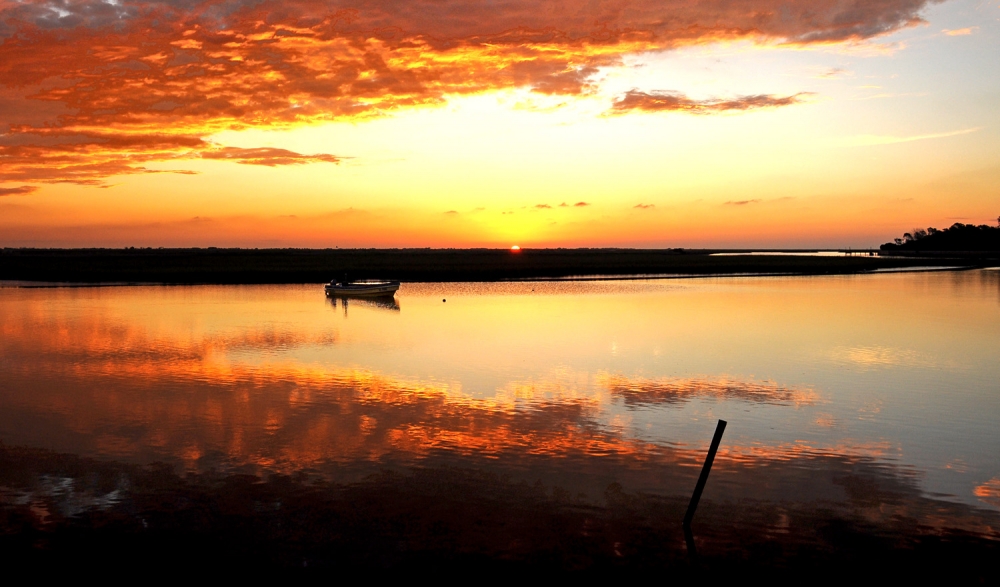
[(362, 290)]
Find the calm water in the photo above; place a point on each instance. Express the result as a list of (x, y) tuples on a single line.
[(823, 380)]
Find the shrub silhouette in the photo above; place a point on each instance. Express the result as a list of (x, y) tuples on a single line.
[(958, 237)]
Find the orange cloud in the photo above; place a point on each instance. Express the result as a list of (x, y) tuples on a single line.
[(266, 156), (86, 158), (677, 102), (162, 76), (17, 191)]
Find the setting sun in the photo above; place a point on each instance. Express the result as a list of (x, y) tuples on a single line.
[(515, 249)]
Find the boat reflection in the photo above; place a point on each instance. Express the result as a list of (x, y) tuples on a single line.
[(387, 302)]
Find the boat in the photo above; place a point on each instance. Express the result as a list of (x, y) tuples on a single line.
[(356, 289)]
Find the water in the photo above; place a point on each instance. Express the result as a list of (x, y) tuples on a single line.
[(830, 385)]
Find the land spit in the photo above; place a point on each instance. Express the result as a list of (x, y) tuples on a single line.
[(273, 266)]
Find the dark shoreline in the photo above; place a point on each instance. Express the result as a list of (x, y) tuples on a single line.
[(280, 266)]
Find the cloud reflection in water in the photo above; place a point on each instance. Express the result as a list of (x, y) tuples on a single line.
[(271, 380)]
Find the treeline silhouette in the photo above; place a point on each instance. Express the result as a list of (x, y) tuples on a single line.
[(958, 237)]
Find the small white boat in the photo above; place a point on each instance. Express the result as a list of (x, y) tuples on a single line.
[(369, 288)]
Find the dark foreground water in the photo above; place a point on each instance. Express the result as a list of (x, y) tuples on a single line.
[(558, 424)]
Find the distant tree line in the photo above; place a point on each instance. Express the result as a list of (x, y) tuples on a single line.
[(958, 237)]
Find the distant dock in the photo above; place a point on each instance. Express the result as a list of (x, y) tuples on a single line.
[(860, 252)]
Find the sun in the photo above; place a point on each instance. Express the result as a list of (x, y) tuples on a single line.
[(515, 249)]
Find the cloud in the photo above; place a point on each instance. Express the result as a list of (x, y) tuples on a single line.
[(884, 95), (449, 22), (835, 72), (960, 32), (644, 206), (867, 140), (18, 191), (266, 156), (677, 102), (542, 206), (192, 68), (452, 212), (580, 204), (88, 158), (740, 202)]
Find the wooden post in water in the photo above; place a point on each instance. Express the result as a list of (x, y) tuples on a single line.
[(705, 470)]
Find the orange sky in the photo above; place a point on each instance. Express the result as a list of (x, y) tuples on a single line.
[(474, 123)]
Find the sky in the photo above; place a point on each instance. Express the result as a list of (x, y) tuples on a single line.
[(490, 123)]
